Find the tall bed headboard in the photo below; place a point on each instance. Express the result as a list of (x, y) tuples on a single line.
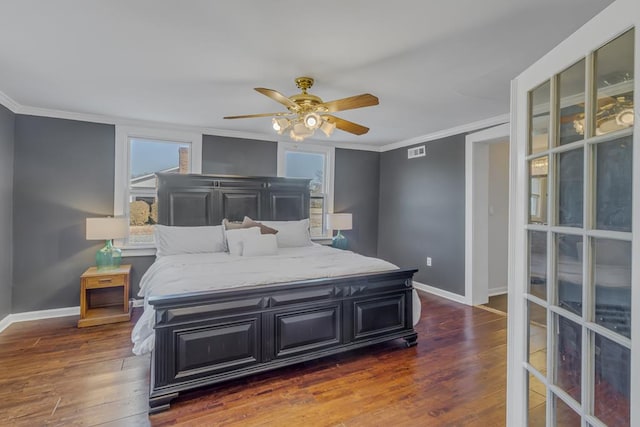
[(196, 200)]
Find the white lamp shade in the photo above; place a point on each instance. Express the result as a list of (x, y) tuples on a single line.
[(339, 221), (107, 228)]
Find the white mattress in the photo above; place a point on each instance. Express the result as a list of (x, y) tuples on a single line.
[(177, 274)]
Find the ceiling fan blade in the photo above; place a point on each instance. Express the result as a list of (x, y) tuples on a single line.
[(346, 125), (357, 101), (278, 97), (250, 116)]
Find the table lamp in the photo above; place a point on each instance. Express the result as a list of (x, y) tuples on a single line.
[(339, 221), (107, 229)]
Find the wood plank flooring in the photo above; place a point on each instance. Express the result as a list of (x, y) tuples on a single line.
[(53, 374)]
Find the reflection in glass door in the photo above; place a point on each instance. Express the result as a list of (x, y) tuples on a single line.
[(579, 234)]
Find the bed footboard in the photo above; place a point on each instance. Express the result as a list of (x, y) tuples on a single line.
[(207, 338)]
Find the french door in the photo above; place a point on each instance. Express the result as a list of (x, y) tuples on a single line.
[(574, 329)]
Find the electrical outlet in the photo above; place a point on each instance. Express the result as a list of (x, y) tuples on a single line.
[(428, 261)]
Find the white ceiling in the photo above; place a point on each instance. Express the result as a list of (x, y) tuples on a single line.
[(434, 65)]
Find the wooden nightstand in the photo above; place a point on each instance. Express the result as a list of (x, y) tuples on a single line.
[(104, 296)]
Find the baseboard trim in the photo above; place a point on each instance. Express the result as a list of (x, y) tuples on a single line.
[(498, 291), (440, 292), (4, 323), (49, 314), (38, 315)]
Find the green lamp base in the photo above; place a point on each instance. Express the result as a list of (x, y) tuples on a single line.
[(109, 257), (339, 241)]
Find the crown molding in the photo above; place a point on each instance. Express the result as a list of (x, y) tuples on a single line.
[(8, 102), (17, 108), (469, 127)]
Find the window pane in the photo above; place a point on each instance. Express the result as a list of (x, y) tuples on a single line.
[(306, 165), (538, 264), (539, 170), (612, 275), (316, 216), (540, 108), (570, 188), (537, 332), (146, 157), (537, 403), (564, 415), (568, 356), (614, 179), (614, 80), (571, 123), (612, 382), (569, 272)]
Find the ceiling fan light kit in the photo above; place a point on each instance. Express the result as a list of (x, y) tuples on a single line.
[(308, 112)]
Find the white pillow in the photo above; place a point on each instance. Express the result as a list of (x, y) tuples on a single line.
[(264, 244), (291, 234), (172, 240), (236, 238)]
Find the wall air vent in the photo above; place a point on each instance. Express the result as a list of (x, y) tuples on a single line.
[(414, 152)]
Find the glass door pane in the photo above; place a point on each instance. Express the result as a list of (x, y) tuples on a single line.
[(569, 272), (538, 264), (537, 403), (612, 277), (540, 101), (570, 188), (568, 356), (614, 82), (614, 179), (538, 196), (612, 382), (571, 90)]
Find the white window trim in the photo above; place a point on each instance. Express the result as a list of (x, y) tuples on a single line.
[(121, 171), (330, 153)]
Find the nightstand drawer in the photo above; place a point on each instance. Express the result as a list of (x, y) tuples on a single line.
[(105, 281)]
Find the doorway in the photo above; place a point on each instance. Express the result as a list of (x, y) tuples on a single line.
[(486, 214)]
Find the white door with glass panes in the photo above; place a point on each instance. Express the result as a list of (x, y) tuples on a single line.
[(574, 288)]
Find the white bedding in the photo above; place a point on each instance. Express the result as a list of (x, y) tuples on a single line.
[(177, 274)]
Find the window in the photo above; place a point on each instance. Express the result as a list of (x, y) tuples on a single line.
[(315, 162), (140, 153)]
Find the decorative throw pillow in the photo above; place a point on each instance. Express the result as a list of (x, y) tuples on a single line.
[(264, 244), (228, 225), (171, 240), (248, 222), (236, 238), (291, 234)]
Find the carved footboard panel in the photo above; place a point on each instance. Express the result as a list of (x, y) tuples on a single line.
[(206, 338)]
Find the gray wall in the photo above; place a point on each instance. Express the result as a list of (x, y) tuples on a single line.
[(63, 173), (7, 123), (422, 212), (356, 190), (234, 156)]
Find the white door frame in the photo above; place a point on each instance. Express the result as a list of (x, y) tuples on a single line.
[(476, 217)]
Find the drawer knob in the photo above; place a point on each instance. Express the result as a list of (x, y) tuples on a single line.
[(104, 280)]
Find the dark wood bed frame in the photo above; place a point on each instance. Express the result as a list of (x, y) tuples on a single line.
[(204, 338)]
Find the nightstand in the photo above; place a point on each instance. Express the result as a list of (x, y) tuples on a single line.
[(104, 296)]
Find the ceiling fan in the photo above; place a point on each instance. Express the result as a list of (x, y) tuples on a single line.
[(308, 112)]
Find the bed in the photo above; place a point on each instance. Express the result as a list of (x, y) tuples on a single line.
[(210, 318)]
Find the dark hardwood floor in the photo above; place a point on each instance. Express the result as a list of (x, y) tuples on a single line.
[(52, 373)]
